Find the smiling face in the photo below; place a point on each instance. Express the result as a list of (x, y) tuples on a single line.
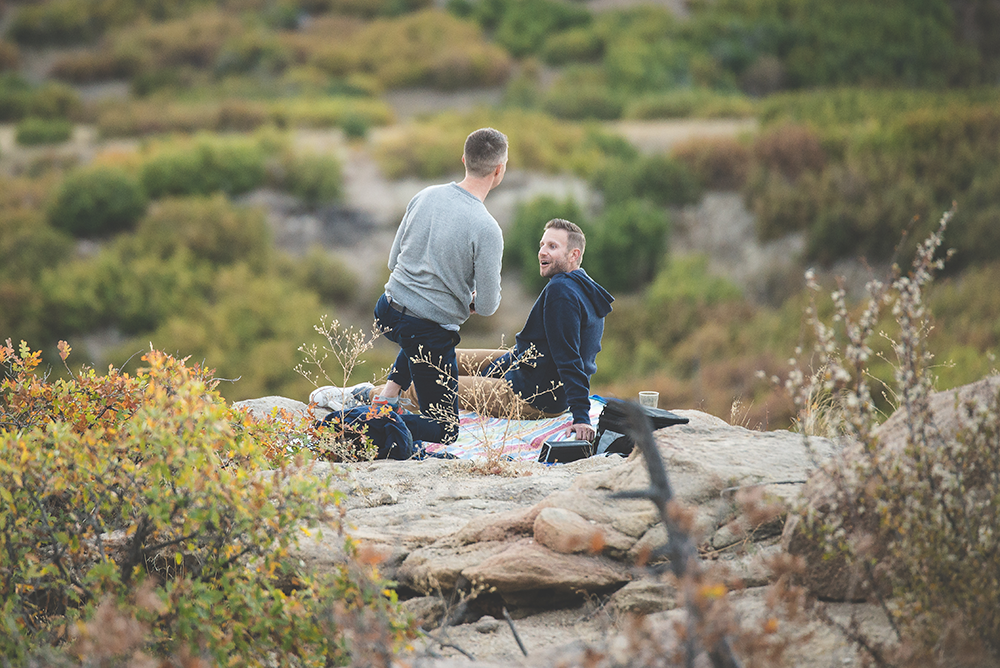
[(554, 254)]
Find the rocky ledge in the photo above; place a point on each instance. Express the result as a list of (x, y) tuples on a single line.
[(555, 537)]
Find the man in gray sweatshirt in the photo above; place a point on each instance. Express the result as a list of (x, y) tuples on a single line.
[(445, 265)]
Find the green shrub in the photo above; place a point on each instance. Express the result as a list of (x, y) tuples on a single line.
[(864, 206), (666, 181), (635, 66), (373, 8), (88, 66), (28, 244), (424, 48), (426, 148), (326, 274), (828, 107), (780, 206), (248, 325), (522, 26), (581, 93), (164, 271), (658, 178), (201, 229), (58, 22), (580, 44), (968, 306), (626, 245), (680, 294), (792, 150), (330, 112), (252, 51), (20, 99), (231, 166), (138, 504), (314, 178), (139, 119), (96, 202), (193, 41), (898, 42), (129, 292), (689, 103), (34, 131), (721, 163), (355, 127)]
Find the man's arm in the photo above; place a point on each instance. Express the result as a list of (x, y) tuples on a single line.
[(486, 268), (561, 317)]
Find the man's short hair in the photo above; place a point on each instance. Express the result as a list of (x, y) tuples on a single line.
[(484, 150), (574, 235)]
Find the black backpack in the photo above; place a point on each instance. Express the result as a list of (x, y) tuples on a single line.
[(612, 425)]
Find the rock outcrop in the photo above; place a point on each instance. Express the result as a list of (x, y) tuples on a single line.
[(552, 535)]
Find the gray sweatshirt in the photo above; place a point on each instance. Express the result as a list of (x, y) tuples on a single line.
[(447, 245)]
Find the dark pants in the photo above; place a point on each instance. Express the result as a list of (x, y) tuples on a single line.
[(426, 356)]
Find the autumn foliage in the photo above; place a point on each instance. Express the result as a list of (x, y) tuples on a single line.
[(136, 520)]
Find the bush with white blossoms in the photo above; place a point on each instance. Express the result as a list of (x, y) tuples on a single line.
[(919, 521)]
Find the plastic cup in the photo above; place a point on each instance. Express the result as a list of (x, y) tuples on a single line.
[(650, 399)]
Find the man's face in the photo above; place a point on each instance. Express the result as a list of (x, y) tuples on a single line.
[(554, 254)]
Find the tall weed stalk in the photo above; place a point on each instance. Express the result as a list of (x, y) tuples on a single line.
[(914, 504)]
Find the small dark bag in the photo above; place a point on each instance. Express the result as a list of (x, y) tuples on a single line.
[(560, 452), (612, 426), (386, 430)]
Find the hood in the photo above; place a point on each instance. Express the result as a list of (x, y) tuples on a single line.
[(598, 296)]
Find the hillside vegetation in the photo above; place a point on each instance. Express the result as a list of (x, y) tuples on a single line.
[(872, 121), (143, 519)]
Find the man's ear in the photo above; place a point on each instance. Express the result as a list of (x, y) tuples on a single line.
[(576, 255)]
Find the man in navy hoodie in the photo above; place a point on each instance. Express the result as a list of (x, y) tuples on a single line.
[(550, 367)]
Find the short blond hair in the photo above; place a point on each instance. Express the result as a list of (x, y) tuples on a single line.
[(575, 237)]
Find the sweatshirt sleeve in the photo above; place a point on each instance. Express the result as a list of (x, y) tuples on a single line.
[(561, 316), (488, 263)]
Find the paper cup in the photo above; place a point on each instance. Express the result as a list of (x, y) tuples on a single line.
[(650, 399)]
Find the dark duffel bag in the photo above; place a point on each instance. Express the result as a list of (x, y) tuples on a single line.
[(612, 426)]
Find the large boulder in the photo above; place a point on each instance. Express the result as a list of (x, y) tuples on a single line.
[(531, 575)]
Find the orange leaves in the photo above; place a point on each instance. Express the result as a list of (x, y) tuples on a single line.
[(110, 481)]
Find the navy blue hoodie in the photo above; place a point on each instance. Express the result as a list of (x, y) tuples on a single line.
[(565, 326)]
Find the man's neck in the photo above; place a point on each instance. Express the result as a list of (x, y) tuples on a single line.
[(478, 187)]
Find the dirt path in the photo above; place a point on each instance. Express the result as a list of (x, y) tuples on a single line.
[(661, 135)]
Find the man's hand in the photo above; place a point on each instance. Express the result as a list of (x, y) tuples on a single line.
[(582, 432)]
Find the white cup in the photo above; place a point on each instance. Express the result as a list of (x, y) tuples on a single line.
[(650, 399)]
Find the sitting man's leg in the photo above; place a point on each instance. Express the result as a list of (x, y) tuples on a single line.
[(478, 361), (495, 397), (471, 362), (482, 388)]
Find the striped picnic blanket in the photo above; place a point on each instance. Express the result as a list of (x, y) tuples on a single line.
[(520, 440)]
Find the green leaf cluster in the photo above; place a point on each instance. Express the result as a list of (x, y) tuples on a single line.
[(231, 166), (19, 99), (97, 202), (34, 131)]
